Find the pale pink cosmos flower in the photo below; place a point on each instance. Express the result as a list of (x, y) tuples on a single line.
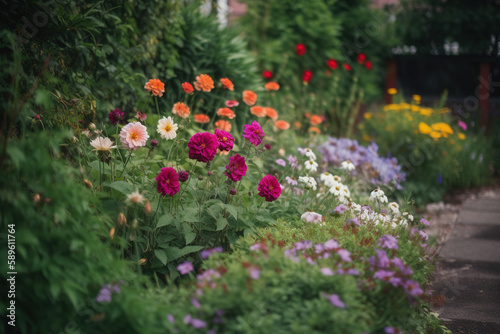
[(133, 135)]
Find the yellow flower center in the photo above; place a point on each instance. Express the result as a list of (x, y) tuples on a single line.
[(168, 128), (224, 138), (134, 136)]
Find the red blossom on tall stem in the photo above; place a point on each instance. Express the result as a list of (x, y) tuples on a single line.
[(332, 63), (267, 74), (167, 182), (300, 49), (361, 58), (269, 188)]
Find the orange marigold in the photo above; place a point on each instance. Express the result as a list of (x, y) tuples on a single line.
[(282, 125), (271, 86), (227, 84), (271, 113), (223, 125), (180, 109), (314, 129), (204, 83), (258, 111), (316, 120), (201, 118), (249, 97), (187, 87), (297, 125), (155, 86), (226, 112)]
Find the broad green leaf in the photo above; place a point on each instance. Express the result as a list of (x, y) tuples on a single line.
[(161, 255), (221, 223), (122, 186), (165, 220)]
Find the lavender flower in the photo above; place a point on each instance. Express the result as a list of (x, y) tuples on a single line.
[(326, 271), (185, 267), (281, 162), (335, 301), (388, 241), (340, 209)]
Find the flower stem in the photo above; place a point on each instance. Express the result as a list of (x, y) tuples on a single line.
[(126, 162)]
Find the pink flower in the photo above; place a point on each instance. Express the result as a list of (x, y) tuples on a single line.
[(462, 125), (232, 103), (254, 272), (133, 136), (185, 267), (269, 188), (254, 133), (237, 168), (141, 116), (226, 141), (203, 146), (167, 182)]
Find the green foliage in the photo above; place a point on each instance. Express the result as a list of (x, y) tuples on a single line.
[(432, 25)]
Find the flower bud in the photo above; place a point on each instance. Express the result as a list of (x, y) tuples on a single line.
[(210, 173), (36, 198), (74, 139), (92, 126), (142, 261), (267, 147), (121, 219), (154, 143), (135, 224), (232, 191), (181, 127), (38, 117), (132, 236), (147, 208), (88, 184), (112, 233), (183, 176), (200, 177)]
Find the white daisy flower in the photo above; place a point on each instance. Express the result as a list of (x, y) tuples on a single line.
[(347, 165), (102, 144), (167, 128), (336, 189), (378, 196), (310, 154), (311, 165), (309, 182), (394, 208)]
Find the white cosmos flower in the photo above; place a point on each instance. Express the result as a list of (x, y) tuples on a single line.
[(167, 128), (310, 182), (102, 144), (394, 208), (310, 154), (336, 189), (327, 179), (134, 197), (311, 165), (378, 196), (347, 165)]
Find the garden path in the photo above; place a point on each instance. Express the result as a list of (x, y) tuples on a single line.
[(466, 288)]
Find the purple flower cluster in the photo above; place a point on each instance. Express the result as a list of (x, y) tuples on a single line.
[(380, 170), (209, 251), (395, 272), (106, 292), (116, 116), (320, 251)]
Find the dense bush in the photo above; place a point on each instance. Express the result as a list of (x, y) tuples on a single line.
[(434, 149)]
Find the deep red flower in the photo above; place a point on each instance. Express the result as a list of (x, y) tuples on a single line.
[(269, 188), (368, 65), (361, 58), (116, 116), (203, 146), (347, 67), (237, 168), (167, 182), (300, 49), (332, 63), (267, 74), (307, 76), (226, 141), (187, 87)]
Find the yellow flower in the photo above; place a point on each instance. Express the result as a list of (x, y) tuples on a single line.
[(435, 134), (368, 115), (391, 107), (443, 127), (392, 91), (404, 106), (409, 118), (367, 138), (425, 111), (424, 128), (461, 136), (417, 98), (415, 108)]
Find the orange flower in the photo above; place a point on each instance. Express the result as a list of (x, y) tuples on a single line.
[(271, 86), (187, 87), (307, 115), (155, 86), (249, 97), (316, 120), (314, 129), (226, 112), (297, 125), (201, 118), (282, 125), (271, 113), (227, 84), (258, 111), (181, 110), (223, 125), (204, 83)]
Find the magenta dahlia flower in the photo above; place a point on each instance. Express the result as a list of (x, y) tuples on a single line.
[(226, 141), (167, 182), (116, 116), (254, 133), (269, 188), (237, 168), (203, 146)]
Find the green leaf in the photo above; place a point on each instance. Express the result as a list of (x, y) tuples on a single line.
[(190, 236), (122, 186), (190, 214), (165, 220), (161, 255), (221, 223), (233, 211)]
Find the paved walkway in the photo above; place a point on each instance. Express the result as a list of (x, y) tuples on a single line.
[(467, 282)]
